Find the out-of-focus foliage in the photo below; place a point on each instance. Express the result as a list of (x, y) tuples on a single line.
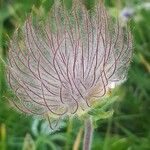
[(127, 129)]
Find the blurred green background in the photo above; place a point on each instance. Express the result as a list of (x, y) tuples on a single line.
[(127, 129)]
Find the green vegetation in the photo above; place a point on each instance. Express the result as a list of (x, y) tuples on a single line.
[(127, 129)]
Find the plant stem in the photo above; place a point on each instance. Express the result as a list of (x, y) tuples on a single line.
[(68, 134), (88, 134)]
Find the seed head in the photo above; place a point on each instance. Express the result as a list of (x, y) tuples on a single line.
[(62, 64)]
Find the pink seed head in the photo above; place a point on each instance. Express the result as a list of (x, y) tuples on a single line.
[(60, 66)]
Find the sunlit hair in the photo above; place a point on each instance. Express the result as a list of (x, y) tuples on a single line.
[(62, 64)]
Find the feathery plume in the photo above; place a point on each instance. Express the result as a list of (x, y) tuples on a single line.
[(61, 65)]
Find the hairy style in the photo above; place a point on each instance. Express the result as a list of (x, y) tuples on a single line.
[(60, 65)]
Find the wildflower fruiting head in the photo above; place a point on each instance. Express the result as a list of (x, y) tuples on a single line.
[(62, 65)]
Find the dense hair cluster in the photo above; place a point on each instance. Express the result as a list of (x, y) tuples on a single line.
[(61, 65)]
